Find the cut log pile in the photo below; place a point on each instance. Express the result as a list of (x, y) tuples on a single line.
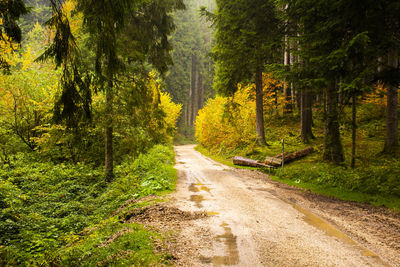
[(275, 161), (241, 161)]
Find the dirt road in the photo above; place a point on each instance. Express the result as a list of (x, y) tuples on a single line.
[(254, 221)]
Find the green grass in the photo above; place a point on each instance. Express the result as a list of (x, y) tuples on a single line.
[(391, 202), (43, 206), (113, 243)]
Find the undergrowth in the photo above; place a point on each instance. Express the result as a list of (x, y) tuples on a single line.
[(44, 206)]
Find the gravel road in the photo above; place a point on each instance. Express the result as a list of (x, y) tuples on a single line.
[(254, 221)]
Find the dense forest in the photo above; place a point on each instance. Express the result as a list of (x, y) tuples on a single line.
[(94, 93), (189, 80)]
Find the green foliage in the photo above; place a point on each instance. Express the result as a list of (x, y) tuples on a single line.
[(42, 204), (377, 179), (132, 246), (247, 37), (192, 39)]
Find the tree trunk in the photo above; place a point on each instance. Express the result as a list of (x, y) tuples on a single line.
[(354, 131), (292, 89), (306, 115), (289, 157), (109, 162), (391, 142), (333, 145), (195, 83), (190, 103), (259, 108), (201, 93), (287, 92)]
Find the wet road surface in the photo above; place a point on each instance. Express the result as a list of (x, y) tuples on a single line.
[(251, 226)]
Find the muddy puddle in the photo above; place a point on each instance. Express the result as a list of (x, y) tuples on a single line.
[(198, 187), (330, 230), (197, 199), (230, 242), (212, 213)]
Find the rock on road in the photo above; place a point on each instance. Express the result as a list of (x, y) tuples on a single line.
[(250, 225)]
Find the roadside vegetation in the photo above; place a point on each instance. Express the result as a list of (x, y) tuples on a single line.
[(62, 214)]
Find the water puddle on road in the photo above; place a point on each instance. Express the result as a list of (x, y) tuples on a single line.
[(330, 230), (198, 187), (212, 213), (194, 188), (230, 241), (197, 199)]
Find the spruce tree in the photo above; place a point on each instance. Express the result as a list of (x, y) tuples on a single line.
[(247, 38)]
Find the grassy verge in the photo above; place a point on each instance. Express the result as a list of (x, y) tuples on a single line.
[(63, 214), (376, 184)]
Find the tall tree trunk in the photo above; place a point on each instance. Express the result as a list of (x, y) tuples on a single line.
[(190, 103), (195, 84), (201, 93), (259, 108), (292, 88), (353, 131), (306, 115), (287, 92), (333, 145), (392, 122), (109, 161)]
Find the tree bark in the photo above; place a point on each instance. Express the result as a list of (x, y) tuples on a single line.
[(259, 108), (306, 115), (190, 102), (287, 90), (195, 89), (391, 140), (109, 161), (289, 157), (333, 145), (354, 131), (201, 93)]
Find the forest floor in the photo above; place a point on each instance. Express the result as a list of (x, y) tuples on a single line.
[(225, 216)]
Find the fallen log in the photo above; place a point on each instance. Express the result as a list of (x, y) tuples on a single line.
[(277, 160), (241, 161), (273, 161), (279, 156)]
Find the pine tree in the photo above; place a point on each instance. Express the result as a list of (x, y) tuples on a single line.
[(247, 38)]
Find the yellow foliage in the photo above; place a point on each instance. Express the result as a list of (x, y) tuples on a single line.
[(7, 47), (229, 123), (377, 97), (75, 19), (172, 112)]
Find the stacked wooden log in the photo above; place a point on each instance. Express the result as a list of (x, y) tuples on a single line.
[(275, 161), (241, 161), (289, 157)]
